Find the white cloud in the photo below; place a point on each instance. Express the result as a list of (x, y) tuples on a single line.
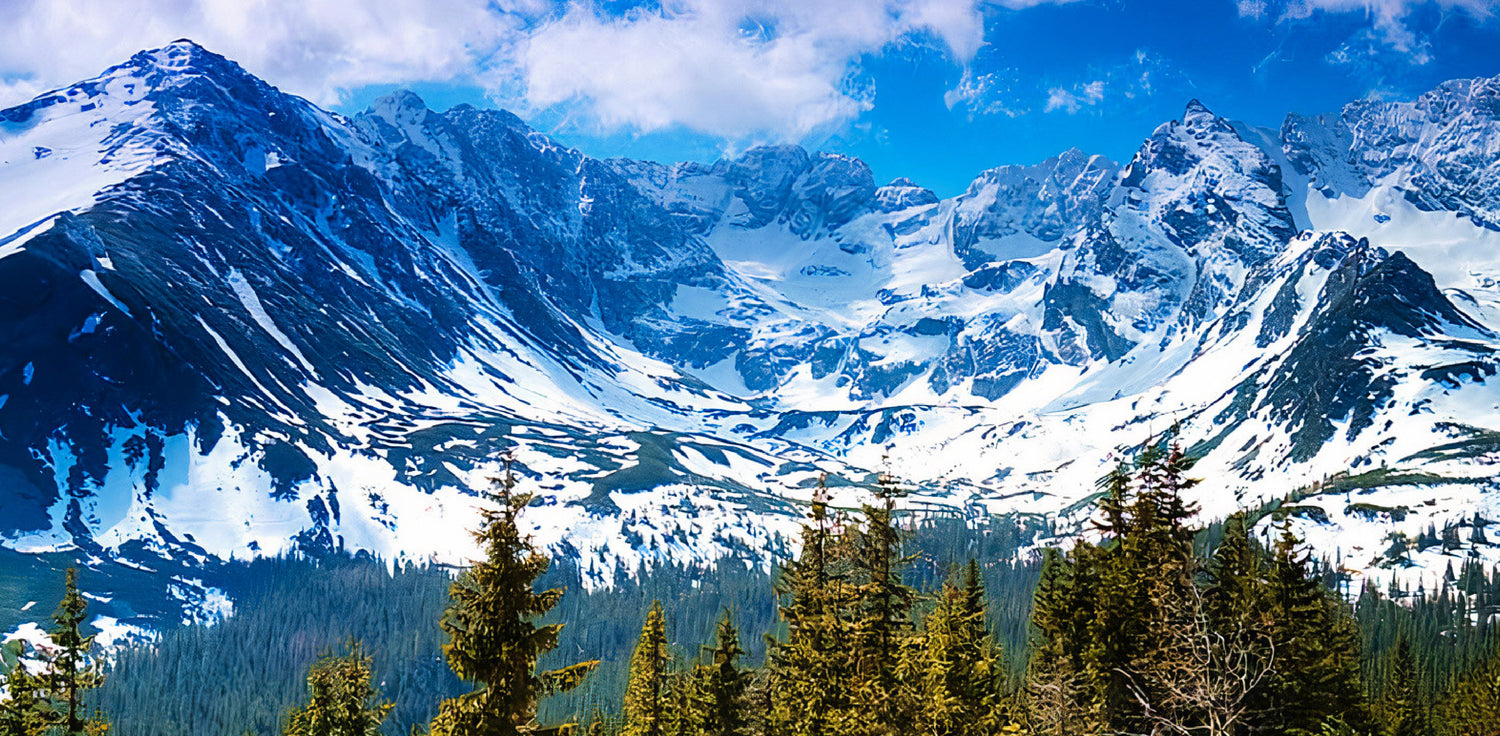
[(1388, 18), (1071, 101), (985, 94), (1251, 8), (315, 48), (731, 68), (1143, 74)]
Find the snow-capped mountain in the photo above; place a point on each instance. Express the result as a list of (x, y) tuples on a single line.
[(236, 324)]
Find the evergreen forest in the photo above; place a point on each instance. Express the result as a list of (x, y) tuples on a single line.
[(887, 622)]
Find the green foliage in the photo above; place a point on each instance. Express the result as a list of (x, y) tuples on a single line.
[(493, 639), (647, 696), (959, 666), (873, 629), (71, 671), (1317, 672), (815, 594), (1138, 634), (340, 699), (53, 703), (25, 711), (718, 704)]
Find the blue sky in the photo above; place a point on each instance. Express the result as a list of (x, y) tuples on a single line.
[(935, 90)]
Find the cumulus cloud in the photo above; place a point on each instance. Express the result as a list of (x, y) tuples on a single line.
[(733, 68), (728, 68), (316, 48)]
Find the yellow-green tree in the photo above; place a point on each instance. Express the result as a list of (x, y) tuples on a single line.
[(649, 690), (71, 668), (340, 699), (493, 638)]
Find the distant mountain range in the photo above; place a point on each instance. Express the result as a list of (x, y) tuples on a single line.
[(232, 323)]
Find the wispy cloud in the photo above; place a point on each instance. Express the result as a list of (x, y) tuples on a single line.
[(1144, 74), (731, 68), (1075, 99), (992, 93), (1389, 26)]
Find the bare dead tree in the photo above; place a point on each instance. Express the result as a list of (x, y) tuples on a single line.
[(1201, 680)]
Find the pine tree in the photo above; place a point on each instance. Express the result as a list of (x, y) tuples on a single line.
[(493, 640), (1062, 697), (24, 711), (1114, 505), (883, 603), (71, 670), (1472, 706), (340, 699), (1317, 651), (1400, 705), (1155, 568), (719, 702), (960, 677), (810, 670), (1235, 595), (649, 688)]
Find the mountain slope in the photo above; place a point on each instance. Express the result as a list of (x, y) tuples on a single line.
[(237, 324)]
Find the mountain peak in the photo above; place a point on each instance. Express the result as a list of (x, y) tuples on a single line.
[(1197, 116), (184, 54)]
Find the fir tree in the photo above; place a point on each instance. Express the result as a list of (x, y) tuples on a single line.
[(1400, 705), (1062, 699), (340, 699), (649, 688), (719, 702), (1235, 595), (24, 711), (810, 670), (1317, 651), (493, 640), (883, 603), (71, 670), (960, 688)]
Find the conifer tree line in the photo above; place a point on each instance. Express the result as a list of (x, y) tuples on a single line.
[(1147, 630), (48, 696)]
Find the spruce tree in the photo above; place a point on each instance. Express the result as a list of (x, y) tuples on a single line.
[(719, 700), (25, 711), (1400, 705), (960, 677), (493, 639), (1235, 593), (1471, 707), (883, 603), (1062, 697), (1317, 651), (649, 689), (71, 669), (340, 699), (811, 668)]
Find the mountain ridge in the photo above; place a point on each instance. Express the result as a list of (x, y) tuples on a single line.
[(219, 295)]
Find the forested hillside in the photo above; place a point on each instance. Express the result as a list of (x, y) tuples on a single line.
[(887, 622)]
